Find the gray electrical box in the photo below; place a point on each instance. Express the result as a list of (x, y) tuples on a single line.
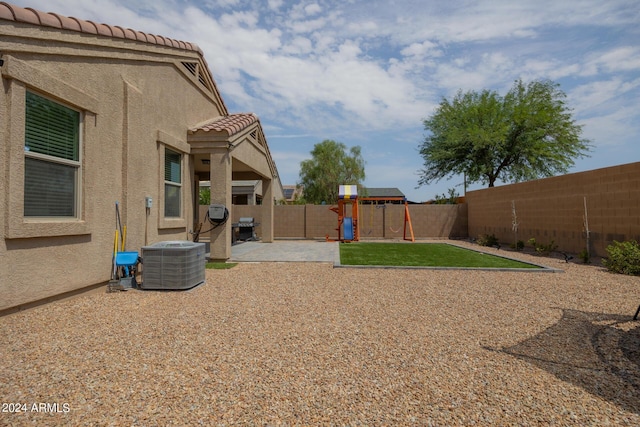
[(216, 212)]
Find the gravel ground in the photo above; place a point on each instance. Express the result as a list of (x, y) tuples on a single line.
[(307, 344)]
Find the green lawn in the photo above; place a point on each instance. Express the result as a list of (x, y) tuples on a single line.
[(220, 265), (421, 255)]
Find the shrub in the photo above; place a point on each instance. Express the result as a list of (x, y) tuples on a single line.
[(624, 258), (517, 246), (541, 248), (487, 240), (585, 256), (451, 199)]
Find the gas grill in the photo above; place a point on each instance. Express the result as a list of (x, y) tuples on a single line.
[(245, 229)]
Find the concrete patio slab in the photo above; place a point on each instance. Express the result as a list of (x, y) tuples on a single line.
[(286, 251)]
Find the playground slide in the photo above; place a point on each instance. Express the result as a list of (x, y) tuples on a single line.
[(348, 228)]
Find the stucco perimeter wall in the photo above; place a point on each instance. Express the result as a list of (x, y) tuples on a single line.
[(252, 211), (289, 221), (376, 221), (236, 212), (553, 209)]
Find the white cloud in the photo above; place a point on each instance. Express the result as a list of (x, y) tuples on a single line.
[(476, 73), (554, 69), (307, 26), (224, 3), (421, 49), (233, 37), (312, 9), (609, 94), (288, 163), (298, 46), (624, 58), (352, 69), (301, 11), (609, 110), (613, 129), (275, 4), (363, 27)]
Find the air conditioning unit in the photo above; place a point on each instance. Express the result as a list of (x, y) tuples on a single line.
[(173, 265)]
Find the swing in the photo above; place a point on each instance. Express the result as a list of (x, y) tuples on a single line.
[(395, 231), (371, 208), (407, 221)]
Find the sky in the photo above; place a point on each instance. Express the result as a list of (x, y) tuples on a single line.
[(368, 72)]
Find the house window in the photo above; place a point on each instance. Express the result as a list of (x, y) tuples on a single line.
[(52, 158), (172, 183)]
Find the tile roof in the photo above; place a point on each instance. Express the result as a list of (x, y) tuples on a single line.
[(32, 16), (230, 124)]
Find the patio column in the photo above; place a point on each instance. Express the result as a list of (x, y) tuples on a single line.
[(267, 210), (220, 171)]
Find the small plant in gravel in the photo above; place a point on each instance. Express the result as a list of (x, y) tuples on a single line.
[(487, 240), (585, 256), (518, 246), (624, 258), (541, 248)]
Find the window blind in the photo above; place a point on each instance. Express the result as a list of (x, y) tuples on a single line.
[(172, 166), (51, 128), (50, 189), (50, 183), (172, 186)]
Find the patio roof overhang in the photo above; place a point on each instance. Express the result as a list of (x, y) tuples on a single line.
[(242, 137)]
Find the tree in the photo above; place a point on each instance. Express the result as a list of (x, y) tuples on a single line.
[(451, 199), (525, 135), (330, 166), (205, 195)]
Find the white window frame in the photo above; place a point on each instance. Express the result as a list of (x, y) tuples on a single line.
[(166, 141), (172, 183)]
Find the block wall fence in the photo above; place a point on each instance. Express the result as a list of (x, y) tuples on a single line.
[(376, 221), (554, 209), (546, 209)]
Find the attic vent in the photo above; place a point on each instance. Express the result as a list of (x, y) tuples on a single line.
[(191, 66), (254, 134), (203, 81), (195, 71)]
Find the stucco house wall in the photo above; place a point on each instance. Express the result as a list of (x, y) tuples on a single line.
[(137, 94)]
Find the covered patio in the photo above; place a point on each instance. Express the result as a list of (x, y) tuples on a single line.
[(227, 149)]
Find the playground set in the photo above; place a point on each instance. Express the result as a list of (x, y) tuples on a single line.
[(348, 214)]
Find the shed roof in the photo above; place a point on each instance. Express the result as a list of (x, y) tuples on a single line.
[(384, 192)]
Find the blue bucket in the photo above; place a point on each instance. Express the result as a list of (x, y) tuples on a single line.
[(126, 259)]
